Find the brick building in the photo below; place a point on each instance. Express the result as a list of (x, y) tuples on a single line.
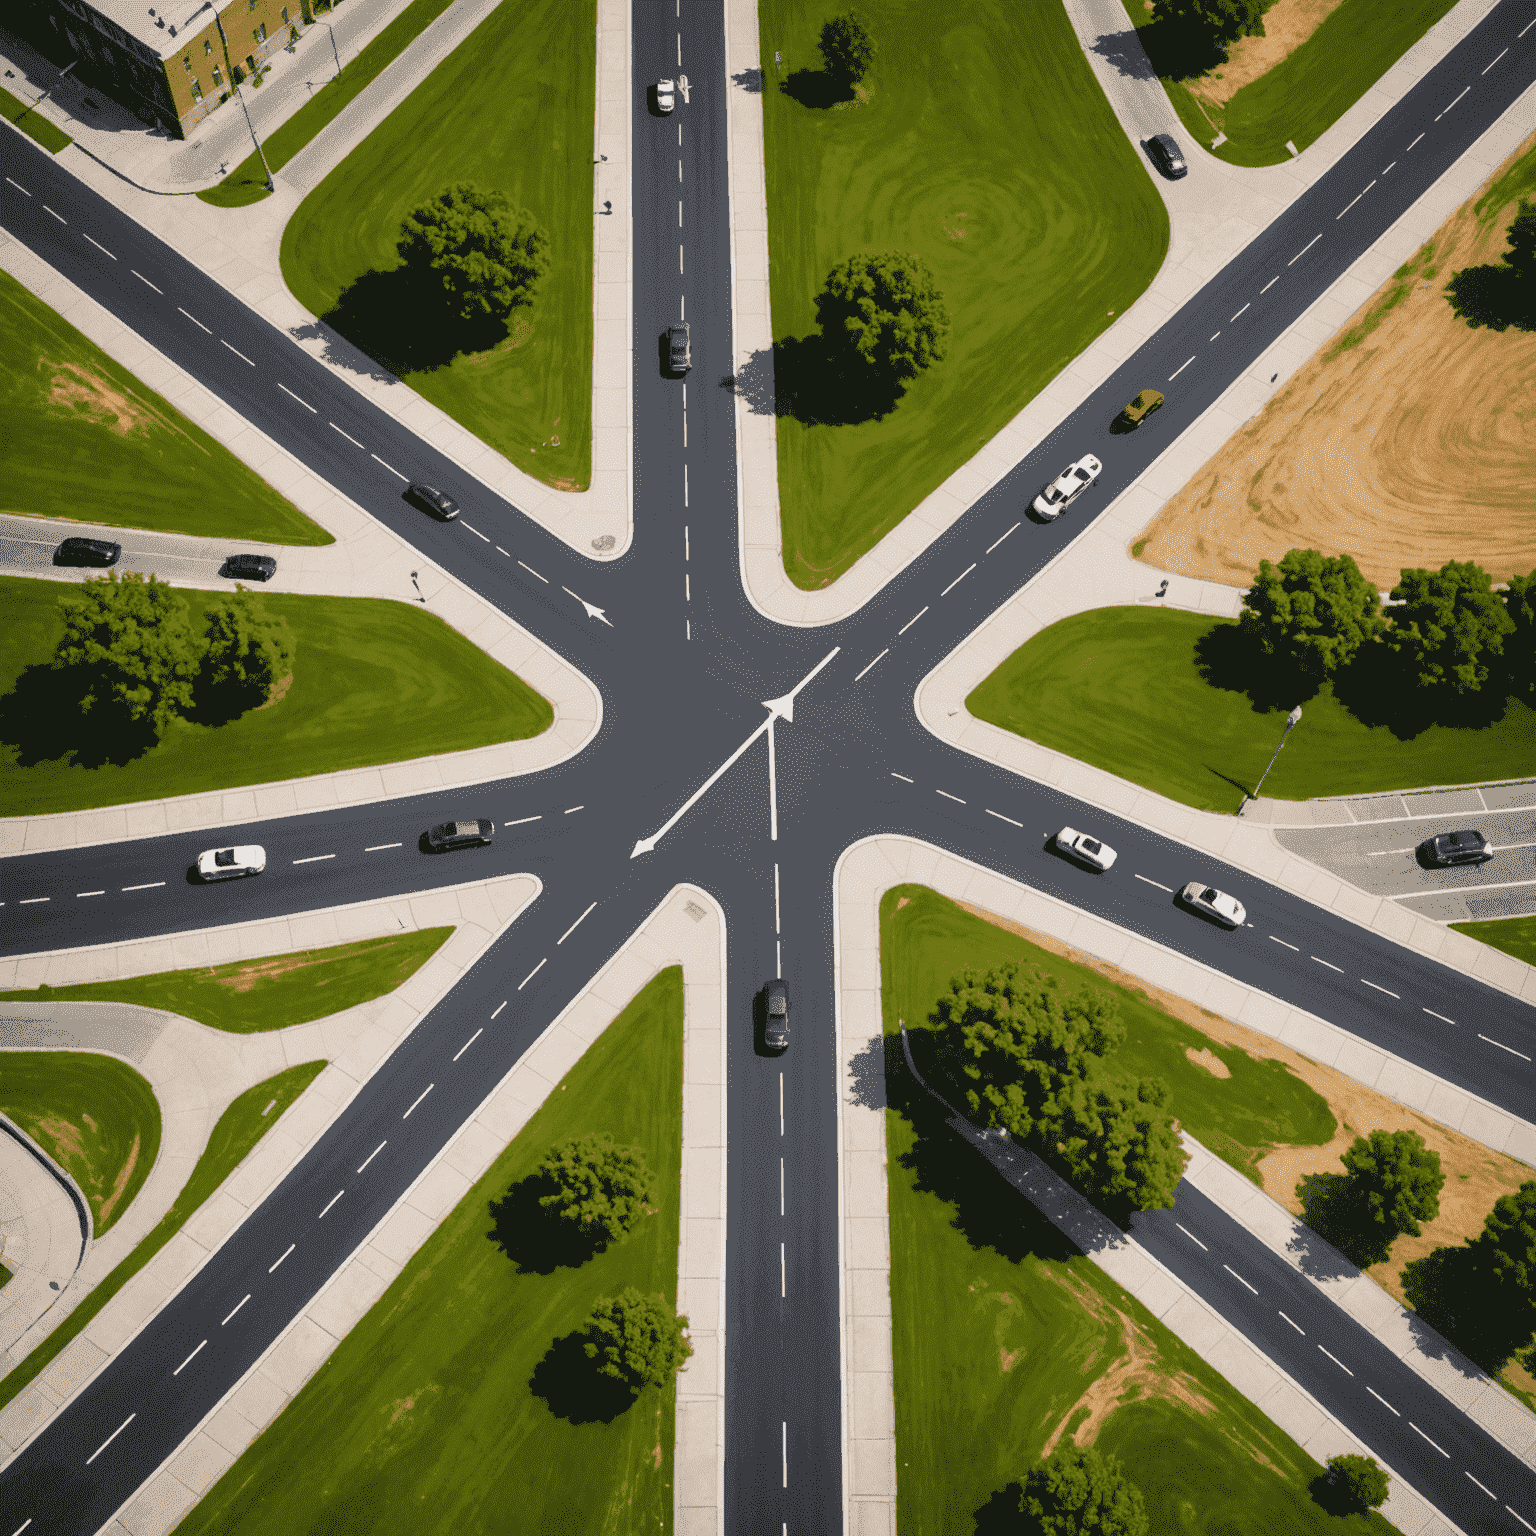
[(169, 63)]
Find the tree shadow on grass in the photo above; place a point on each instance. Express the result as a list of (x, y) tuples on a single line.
[(1333, 1209), (533, 1237), (1497, 296), (822, 384), (42, 720), (1180, 49), (1000, 1515), (1454, 1305), (1228, 659), (816, 89), (574, 1388), (216, 704), (1380, 689)]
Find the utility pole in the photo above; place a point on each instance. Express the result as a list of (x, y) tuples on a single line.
[(228, 64), (1290, 725)]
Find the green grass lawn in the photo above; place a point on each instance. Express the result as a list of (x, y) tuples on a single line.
[(31, 123), (86, 440), (94, 1115), (512, 109), (986, 146), (247, 183), (374, 682), (239, 1128), (429, 1402), (1310, 90), (1263, 1104), (1121, 688), (1514, 935), (271, 993)]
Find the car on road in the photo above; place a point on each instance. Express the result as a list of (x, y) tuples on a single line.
[(256, 567), (1145, 402), (87, 552), (776, 1016), (679, 349), (460, 834), (231, 863), (1208, 901), (1166, 155), (434, 500), (1456, 848), (665, 99), (1068, 486), (1089, 850)]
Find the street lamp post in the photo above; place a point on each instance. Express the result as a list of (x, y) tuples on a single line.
[(1290, 725), (261, 154)]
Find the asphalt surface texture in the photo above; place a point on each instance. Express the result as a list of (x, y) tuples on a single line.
[(685, 665)]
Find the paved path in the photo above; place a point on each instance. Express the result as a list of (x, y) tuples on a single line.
[(45, 1226)]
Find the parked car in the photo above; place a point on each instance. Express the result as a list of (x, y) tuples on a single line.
[(1166, 155), (1206, 899), (87, 552), (231, 863), (1089, 849), (1068, 486), (1147, 401), (460, 834), (665, 100), (679, 351), (1456, 848), (256, 567), (776, 1019), (434, 500)]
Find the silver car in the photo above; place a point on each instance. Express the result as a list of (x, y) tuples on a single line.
[(1206, 899), (1068, 486), (665, 100), (231, 863)]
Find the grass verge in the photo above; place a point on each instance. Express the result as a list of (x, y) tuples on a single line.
[(1040, 226), (1122, 688), (374, 682), (33, 124), (433, 1400), (239, 1128), (1514, 935), (249, 996), (926, 939), (94, 1115), (525, 129), (86, 440), (246, 183)]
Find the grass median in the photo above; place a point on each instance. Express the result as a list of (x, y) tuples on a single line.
[(86, 440), (33, 124), (374, 682), (433, 1401), (238, 1130), (1126, 689), (1513, 935), (249, 996), (511, 109), (1039, 222)]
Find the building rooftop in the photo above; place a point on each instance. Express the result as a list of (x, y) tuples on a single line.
[(166, 26)]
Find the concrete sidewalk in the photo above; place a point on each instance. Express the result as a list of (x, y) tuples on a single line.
[(1404, 804)]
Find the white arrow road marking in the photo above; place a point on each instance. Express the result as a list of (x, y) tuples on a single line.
[(593, 612)]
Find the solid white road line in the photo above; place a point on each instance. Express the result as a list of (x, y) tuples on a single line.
[(372, 1155), (316, 858), (577, 924), (105, 252), (531, 974), (190, 1358), (1512, 1051), (948, 796), (419, 1097), (1337, 1362), (996, 542), (152, 885), (1009, 819), (1191, 1236), (1372, 984), (1411, 1425), (1238, 1277), (241, 355), (474, 1037), (238, 1305), (1329, 963), (195, 321), (398, 476), (1159, 885), (958, 579), (910, 622), (329, 1203), (305, 403), (1380, 1399), (110, 1438), (283, 1255), (380, 847), (502, 1004), (1297, 1326)]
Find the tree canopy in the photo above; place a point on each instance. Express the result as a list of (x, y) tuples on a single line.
[(1450, 627), (1118, 1144), (847, 47), (487, 254), (1396, 1179), (1314, 610), (1222, 21), (246, 649), (887, 310), (1081, 1492), (1360, 1479), (601, 1189), (1520, 644), (637, 1339)]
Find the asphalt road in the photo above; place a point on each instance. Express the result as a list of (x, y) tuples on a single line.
[(684, 672)]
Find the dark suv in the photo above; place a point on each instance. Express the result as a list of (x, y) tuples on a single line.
[(679, 350), (1456, 848), (1167, 156), (87, 552), (776, 1016), (459, 834), (256, 567), (434, 500)]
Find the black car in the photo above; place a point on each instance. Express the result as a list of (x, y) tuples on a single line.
[(256, 567), (1167, 156), (776, 1016), (679, 352), (460, 834), (434, 500), (87, 552), (1456, 848)]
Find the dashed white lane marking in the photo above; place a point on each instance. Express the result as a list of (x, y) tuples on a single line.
[(1438, 116), (474, 1036), (1307, 247), (1009, 819), (28, 901), (1373, 985), (471, 528), (531, 974), (28, 1521), (110, 1438), (19, 187), (1431, 1012), (1521, 33), (532, 572), (380, 847), (948, 796), (372, 1155), (1244, 310), (398, 476), (1274, 940), (190, 1358), (499, 1007), (334, 428), (419, 1097), (90, 893), (195, 321), (1238, 1278), (785, 1425), (1267, 286), (1338, 1362), (571, 811), (1380, 1399), (152, 885), (1297, 1326), (305, 403), (501, 551), (59, 216), (996, 542), (329, 1203), (238, 1305), (1191, 1236), (574, 926), (1486, 1489), (283, 1255), (522, 821), (1521, 1518), (105, 252), (1512, 1051), (1414, 1427), (910, 622), (1329, 963), (1501, 55), (679, 259), (904, 779), (316, 858), (882, 655), (238, 353), (1157, 883), (1218, 333), (1180, 369), (1421, 135), (958, 579)]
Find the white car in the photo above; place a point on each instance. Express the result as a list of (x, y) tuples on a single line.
[(665, 100), (1227, 910), (1068, 486), (1089, 849), (231, 863)]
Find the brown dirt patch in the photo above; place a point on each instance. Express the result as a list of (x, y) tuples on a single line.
[(1408, 440), (902, 901), (1287, 25), (119, 1185), (65, 1137), (241, 977), (80, 391), (565, 483), (277, 691), (404, 1405), (1207, 1058)]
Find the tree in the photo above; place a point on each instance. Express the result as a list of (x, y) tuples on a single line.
[(637, 1339), (1313, 610), (132, 636), (1075, 1492), (887, 310), (1222, 21), (247, 650), (1359, 1479), (1520, 646), (847, 47), (1396, 1180), (601, 1189), (1451, 625), (1118, 1143), (487, 254)]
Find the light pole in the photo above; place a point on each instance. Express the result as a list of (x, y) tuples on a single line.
[(334, 49), (1290, 725), (261, 154)]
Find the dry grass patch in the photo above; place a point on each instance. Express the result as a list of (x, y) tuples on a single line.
[(1207, 1058), (81, 391), (1287, 25)]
